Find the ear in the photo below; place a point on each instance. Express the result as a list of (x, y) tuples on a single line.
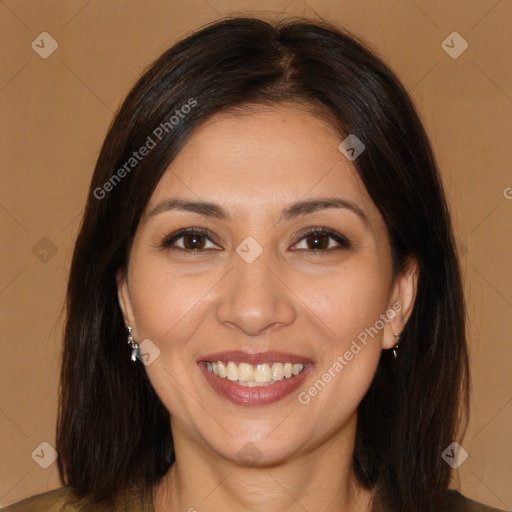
[(403, 295), (124, 298)]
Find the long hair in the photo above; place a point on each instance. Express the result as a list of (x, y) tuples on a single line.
[(113, 431)]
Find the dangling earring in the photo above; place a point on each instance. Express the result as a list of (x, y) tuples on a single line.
[(395, 348), (133, 343)]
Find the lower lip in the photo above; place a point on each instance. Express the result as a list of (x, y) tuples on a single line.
[(258, 395)]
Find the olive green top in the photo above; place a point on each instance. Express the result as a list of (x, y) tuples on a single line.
[(63, 500)]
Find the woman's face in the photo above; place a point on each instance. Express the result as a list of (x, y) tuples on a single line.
[(261, 284)]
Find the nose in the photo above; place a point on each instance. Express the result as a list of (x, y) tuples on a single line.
[(254, 297)]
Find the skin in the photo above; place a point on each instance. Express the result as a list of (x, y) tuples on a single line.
[(290, 299)]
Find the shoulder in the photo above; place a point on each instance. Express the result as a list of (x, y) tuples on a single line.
[(456, 502), (64, 499), (54, 501)]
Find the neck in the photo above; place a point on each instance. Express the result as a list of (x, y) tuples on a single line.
[(320, 479)]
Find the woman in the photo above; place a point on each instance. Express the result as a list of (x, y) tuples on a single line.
[(267, 231)]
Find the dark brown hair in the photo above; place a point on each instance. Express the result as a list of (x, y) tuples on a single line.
[(113, 431)]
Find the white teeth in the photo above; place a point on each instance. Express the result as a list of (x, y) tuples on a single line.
[(296, 369), (232, 371), (262, 373), (222, 369), (245, 372), (277, 371), (248, 375)]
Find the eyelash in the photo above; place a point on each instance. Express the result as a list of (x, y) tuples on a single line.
[(343, 242)]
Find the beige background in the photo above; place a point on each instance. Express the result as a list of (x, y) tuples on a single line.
[(55, 113)]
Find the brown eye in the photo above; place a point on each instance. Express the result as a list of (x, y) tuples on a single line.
[(193, 240), (319, 240), (315, 241)]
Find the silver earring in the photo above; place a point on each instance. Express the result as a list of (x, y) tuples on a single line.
[(395, 348), (133, 343)]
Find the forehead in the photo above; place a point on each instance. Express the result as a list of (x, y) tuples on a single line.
[(263, 158)]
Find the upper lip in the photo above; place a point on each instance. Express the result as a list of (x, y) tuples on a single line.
[(239, 356)]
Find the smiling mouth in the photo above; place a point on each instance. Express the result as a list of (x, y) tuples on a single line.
[(261, 375)]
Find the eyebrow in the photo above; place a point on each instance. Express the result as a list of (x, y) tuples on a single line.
[(297, 209)]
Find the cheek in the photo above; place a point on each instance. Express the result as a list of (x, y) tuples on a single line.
[(345, 367), (349, 304), (162, 300), (349, 301)]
